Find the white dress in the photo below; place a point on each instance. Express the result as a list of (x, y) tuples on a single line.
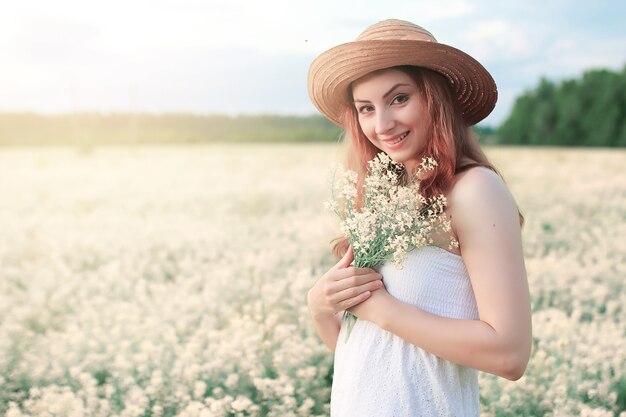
[(378, 374)]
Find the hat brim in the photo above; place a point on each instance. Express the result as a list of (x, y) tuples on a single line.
[(332, 72)]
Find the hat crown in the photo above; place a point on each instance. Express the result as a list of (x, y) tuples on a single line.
[(394, 29)]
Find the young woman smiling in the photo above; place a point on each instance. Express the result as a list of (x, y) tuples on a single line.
[(425, 330)]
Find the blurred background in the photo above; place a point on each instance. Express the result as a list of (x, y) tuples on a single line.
[(205, 71), (161, 188)]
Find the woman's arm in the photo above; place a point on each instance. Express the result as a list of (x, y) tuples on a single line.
[(327, 327), (338, 289), (485, 219)]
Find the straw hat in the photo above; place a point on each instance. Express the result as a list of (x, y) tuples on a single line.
[(391, 43)]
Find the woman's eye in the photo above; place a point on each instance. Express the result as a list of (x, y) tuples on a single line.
[(365, 109), (400, 98)]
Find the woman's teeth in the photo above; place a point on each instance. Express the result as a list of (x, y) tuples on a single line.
[(399, 138)]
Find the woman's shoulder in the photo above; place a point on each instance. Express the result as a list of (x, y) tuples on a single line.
[(475, 175), (479, 189)]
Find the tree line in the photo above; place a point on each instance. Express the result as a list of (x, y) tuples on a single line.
[(91, 129), (95, 129), (589, 111)]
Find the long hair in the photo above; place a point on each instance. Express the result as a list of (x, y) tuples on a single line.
[(449, 141)]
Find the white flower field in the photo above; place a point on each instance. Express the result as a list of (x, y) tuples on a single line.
[(171, 281)]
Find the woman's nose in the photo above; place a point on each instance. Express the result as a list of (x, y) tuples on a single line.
[(384, 123)]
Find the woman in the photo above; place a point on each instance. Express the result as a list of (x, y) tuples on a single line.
[(422, 331)]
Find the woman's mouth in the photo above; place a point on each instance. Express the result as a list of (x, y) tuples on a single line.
[(398, 139)]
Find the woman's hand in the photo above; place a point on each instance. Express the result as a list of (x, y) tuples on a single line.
[(374, 306), (342, 287)]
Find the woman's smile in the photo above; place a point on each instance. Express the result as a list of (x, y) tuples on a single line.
[(393, 142), (391, 115)]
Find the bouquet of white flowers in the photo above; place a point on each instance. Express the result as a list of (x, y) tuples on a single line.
[(393, 218)]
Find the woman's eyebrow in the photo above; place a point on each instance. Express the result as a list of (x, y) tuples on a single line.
[(394, 87), (391, 90)]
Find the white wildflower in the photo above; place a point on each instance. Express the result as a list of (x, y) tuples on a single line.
[(392, 218), (199, 389), (241, 403), (232, 380)]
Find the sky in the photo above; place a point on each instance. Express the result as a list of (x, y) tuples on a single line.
[(251, 57)]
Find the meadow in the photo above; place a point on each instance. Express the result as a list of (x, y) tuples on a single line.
[(171, 281)]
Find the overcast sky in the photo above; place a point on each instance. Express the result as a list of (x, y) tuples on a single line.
[(245, 56)]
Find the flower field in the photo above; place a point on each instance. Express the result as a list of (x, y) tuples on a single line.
[(171, 281)]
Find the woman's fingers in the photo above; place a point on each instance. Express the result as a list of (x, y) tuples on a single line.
[(351, 271), (348, 281), (344, 286), (346, 260), (340, 297), (351, 302)]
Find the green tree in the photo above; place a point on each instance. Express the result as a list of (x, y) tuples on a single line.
[(543, 114), (515, 130), (590, 111), (570, 109)]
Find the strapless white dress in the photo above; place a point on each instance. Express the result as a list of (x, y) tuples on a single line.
[(378, 374)]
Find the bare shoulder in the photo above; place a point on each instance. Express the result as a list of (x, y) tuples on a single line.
[(479, 196)]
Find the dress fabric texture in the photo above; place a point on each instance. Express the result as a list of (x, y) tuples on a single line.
[(378, 374)]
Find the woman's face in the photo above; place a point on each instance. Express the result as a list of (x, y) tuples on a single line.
[(391, 114)]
